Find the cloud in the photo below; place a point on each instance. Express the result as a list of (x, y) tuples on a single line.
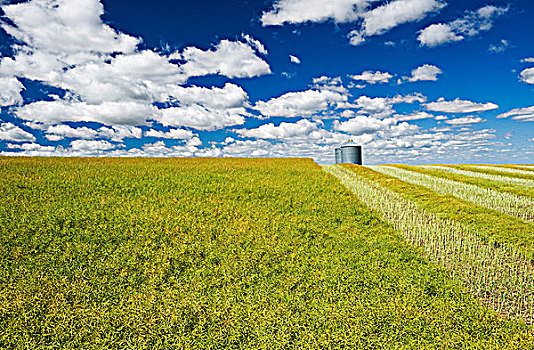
[(373, 77), (500, 47), (301, 103), (383, 106), (57, 132), (233, 59), (522, 114), (54, 112), (141, 76), (114, 133), (30, 149), (10, 91), (438, 34), (176, 134), (426, 72), (414, 116), (219, 108), (383, 18), (465, 120), (360, 125), (107, 79), (375, 21), (390, 15), (255, 44), (528, 60), (119, 132), (470, 25), (527, 75), (459, 106), (294, 59), (200, 117), (11, 132), (301, 11), (185, 150), (91, 146), (71, 29), (229, 96), (329, 83), (284, 131), (377, 106)]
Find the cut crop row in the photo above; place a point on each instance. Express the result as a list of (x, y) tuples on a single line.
[(489, 224), (507, 203), (460, 176), (498, 275), (504, 169), (505, 179)]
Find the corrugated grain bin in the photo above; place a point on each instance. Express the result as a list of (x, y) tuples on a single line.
[(338, 155), (350, 153)]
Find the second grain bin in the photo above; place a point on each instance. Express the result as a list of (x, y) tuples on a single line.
[(349, 152)]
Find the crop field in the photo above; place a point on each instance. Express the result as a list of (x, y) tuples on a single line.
[(199, 253)]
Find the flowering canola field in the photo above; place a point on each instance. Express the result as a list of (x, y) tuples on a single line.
[(248, 253)]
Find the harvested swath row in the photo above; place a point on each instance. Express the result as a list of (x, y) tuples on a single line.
[(500, 277), (503, 169), (488, 224), (453, 174), (507, 203), (217, 254), (500, 178), (492, 171), (527, 167)]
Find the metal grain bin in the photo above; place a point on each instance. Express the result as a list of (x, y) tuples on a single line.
[(351, 153), (338, 155)]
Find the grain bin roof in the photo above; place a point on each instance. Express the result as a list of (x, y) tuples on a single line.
[(348, 144)]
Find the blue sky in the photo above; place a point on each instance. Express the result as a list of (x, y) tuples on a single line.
[(413, 81)]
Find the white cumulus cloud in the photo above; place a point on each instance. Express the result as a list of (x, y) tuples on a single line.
[(54, 112), (68, 28), (426, 72), (459, 106), (383, 18), (10, 88), (300, 103), (175, 134), (361, 124), (233, 59), (108, 79), (294, 59), (114, 133), (91, 146), (300, 11), (438, 34), (200, 117), (373, 77), (527, 75), (471, 24), (283, 131), (11, 132), (465, 120), (381, 107)]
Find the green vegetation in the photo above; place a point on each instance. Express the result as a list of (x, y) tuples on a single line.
[(489, 224), (217, 254)]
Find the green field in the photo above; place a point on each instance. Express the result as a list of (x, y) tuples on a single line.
[(230, 254)]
